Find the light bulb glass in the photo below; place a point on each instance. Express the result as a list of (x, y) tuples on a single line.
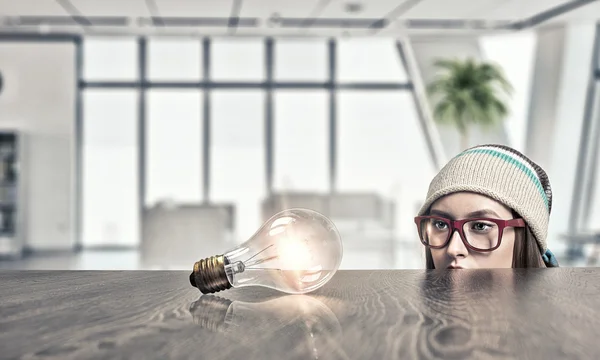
[(296, 251)]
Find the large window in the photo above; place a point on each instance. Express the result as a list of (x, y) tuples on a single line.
[(369, 60), (237, 60), (380, 147), (174, 146), (110, 148), (110, 59), (301, 141), (110, 176), (238, 154), (174, 59), (301, 60)]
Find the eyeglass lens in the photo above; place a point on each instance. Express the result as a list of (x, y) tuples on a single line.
[(480, 234)]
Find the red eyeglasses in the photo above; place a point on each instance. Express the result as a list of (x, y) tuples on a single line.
[(478, 234)]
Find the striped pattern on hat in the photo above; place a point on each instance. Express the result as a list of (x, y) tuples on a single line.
[(503, 174)]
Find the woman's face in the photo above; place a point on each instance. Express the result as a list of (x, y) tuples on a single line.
[(464, 205)]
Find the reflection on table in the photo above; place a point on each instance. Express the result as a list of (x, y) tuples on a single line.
[(294, 326)]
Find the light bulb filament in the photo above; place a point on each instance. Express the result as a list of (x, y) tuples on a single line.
[(258, 253), (260, 261)]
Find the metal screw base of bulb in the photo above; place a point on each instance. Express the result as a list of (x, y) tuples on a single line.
[(209, 275)]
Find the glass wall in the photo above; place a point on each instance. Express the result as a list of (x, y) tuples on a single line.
[(301, 117), (301, 60), (110, 59), (238, 155), (380, 148), (301, 141), (370, 60), (237, 131), (110, 156), (174, 59), (174, 144), (110, 177), (174, 131), (237, 60)]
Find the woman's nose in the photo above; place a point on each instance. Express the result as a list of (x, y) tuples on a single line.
[(456, 247)]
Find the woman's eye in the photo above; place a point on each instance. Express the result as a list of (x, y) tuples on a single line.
[(481, 226), (440, 225)]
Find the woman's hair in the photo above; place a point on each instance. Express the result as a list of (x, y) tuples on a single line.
[(526, 251)]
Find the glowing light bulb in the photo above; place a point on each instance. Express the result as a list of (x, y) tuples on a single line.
[(296, 251)]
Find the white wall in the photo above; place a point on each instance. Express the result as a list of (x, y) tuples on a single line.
[(593, 218), (563, 144), (39, 100), (545, 90)]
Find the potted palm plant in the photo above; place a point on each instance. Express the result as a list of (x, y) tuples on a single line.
[(468, 92)]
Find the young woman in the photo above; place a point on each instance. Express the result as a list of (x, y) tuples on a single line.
[(487, 208)]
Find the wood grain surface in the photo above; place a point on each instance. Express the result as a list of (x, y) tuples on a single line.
[(458, 314)]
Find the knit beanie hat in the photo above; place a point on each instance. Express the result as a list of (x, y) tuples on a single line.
[(505, 175)]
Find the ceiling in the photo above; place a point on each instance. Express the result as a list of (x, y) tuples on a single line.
[(288, 17)]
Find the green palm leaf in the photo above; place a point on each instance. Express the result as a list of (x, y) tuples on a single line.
[(468, 92)]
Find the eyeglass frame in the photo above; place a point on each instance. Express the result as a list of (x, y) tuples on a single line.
[(458, 225)]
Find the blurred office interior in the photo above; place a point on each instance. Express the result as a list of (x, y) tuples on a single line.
[(150, 134)]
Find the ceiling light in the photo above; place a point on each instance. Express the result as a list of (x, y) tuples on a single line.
[(353, 7), (44, 28), (274, 20)]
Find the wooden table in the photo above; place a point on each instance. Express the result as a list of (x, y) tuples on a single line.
[(479, 314)]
